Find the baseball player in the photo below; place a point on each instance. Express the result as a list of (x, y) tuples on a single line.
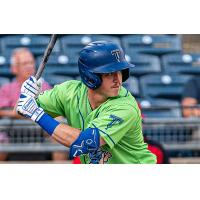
[(104, 121)]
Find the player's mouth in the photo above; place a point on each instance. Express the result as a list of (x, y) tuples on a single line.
[(116, 86)]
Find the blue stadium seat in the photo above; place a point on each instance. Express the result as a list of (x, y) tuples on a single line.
[(156, 108), (181, 63), (72, 44), (144, 64), (67, 70), (151, 44), (4, 80), (36, 43), (163, 85), (132, 85), (60, 64), (5, 66), (54, 79)]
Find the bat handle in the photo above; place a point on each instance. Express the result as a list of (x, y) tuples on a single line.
[(46, 56)]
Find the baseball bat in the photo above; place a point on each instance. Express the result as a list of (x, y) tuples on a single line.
[(46, 56)]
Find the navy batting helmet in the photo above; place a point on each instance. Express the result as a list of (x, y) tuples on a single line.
[(101, 57)]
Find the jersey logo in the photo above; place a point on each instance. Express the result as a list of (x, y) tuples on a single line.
[(115, 120), (99, 156), (116, 53)]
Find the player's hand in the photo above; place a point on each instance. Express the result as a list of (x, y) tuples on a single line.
[(28, 107), (31, 87)]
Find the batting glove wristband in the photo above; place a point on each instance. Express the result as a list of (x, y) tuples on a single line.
[(28, 107), (31, 87)]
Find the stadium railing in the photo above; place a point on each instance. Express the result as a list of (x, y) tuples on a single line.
[(26, 136), (174, 133)]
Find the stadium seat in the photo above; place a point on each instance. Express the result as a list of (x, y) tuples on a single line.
[(156, 108), (4, 80), (59, 59), (36, 43), (5, 122), (62, 70), (144, 64), (163, 85), (181, 63), (151, 44), (53, 79), (60, 64), (132, 85), (72, 44), (5, 66)]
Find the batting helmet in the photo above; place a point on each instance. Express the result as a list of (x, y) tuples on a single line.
[(101, 57)]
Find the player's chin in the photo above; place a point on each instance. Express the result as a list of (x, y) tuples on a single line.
[(115, 92)]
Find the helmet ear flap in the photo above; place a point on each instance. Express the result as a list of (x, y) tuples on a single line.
[(91, 80), (125, 74)]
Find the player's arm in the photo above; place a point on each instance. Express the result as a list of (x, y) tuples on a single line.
[(66, 135), (80, 142)]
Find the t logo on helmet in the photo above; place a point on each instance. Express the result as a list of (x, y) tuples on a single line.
[(116, 53)]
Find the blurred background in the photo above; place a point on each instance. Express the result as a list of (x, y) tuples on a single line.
[(165, 65)]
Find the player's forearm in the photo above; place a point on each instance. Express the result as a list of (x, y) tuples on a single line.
[(65, 134), (80, 142)]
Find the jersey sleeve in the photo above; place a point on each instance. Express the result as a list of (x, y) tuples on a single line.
[(115, 122), (56, 102)]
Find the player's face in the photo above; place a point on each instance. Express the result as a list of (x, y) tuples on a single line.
[(25, 65), (111, 84)]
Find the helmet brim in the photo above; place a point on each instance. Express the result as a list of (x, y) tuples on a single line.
[(112, 68)]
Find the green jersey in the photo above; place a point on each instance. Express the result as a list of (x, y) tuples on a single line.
[(118, 120)]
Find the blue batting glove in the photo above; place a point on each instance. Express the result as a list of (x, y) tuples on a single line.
[(31, 87), (28, 107)]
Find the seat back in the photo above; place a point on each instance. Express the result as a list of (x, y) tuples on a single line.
[(36, 43), (4, 80), (163, 85), (72, 44), (181, 63), (152, 44), (132, 85), (54, 79), (5, 66), (144, 64), (156, 108)]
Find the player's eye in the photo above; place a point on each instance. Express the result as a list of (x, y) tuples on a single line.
[(109, 74)]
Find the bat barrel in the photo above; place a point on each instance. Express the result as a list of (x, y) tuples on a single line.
[(46, 56)]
